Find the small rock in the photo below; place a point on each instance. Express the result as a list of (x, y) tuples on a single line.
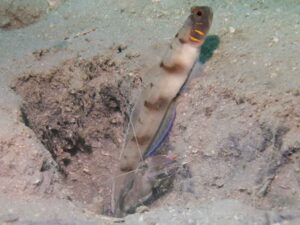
[(275, 39), (231, 30), (142, 209), (5, 22), (273, 75), (86, 170), (38, 180), (194, 151), (218, 182), (132, 55), (245, 190), (296, 92), (53, 3), (9, 218)]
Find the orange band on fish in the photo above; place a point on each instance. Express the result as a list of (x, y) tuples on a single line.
[(200, 32), (196, 40)]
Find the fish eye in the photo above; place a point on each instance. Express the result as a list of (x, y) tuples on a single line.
[(199, 13)]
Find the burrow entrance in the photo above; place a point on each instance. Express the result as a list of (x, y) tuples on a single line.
[(78, 111)]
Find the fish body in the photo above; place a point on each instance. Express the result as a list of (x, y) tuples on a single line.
[(168, 78), (163, 132), (153, 116)]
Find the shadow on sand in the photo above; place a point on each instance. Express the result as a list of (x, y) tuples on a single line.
[(211, 43)]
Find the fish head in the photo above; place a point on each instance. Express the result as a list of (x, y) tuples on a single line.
[(201, 19)]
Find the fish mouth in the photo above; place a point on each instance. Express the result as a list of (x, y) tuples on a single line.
[(211, 15)]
